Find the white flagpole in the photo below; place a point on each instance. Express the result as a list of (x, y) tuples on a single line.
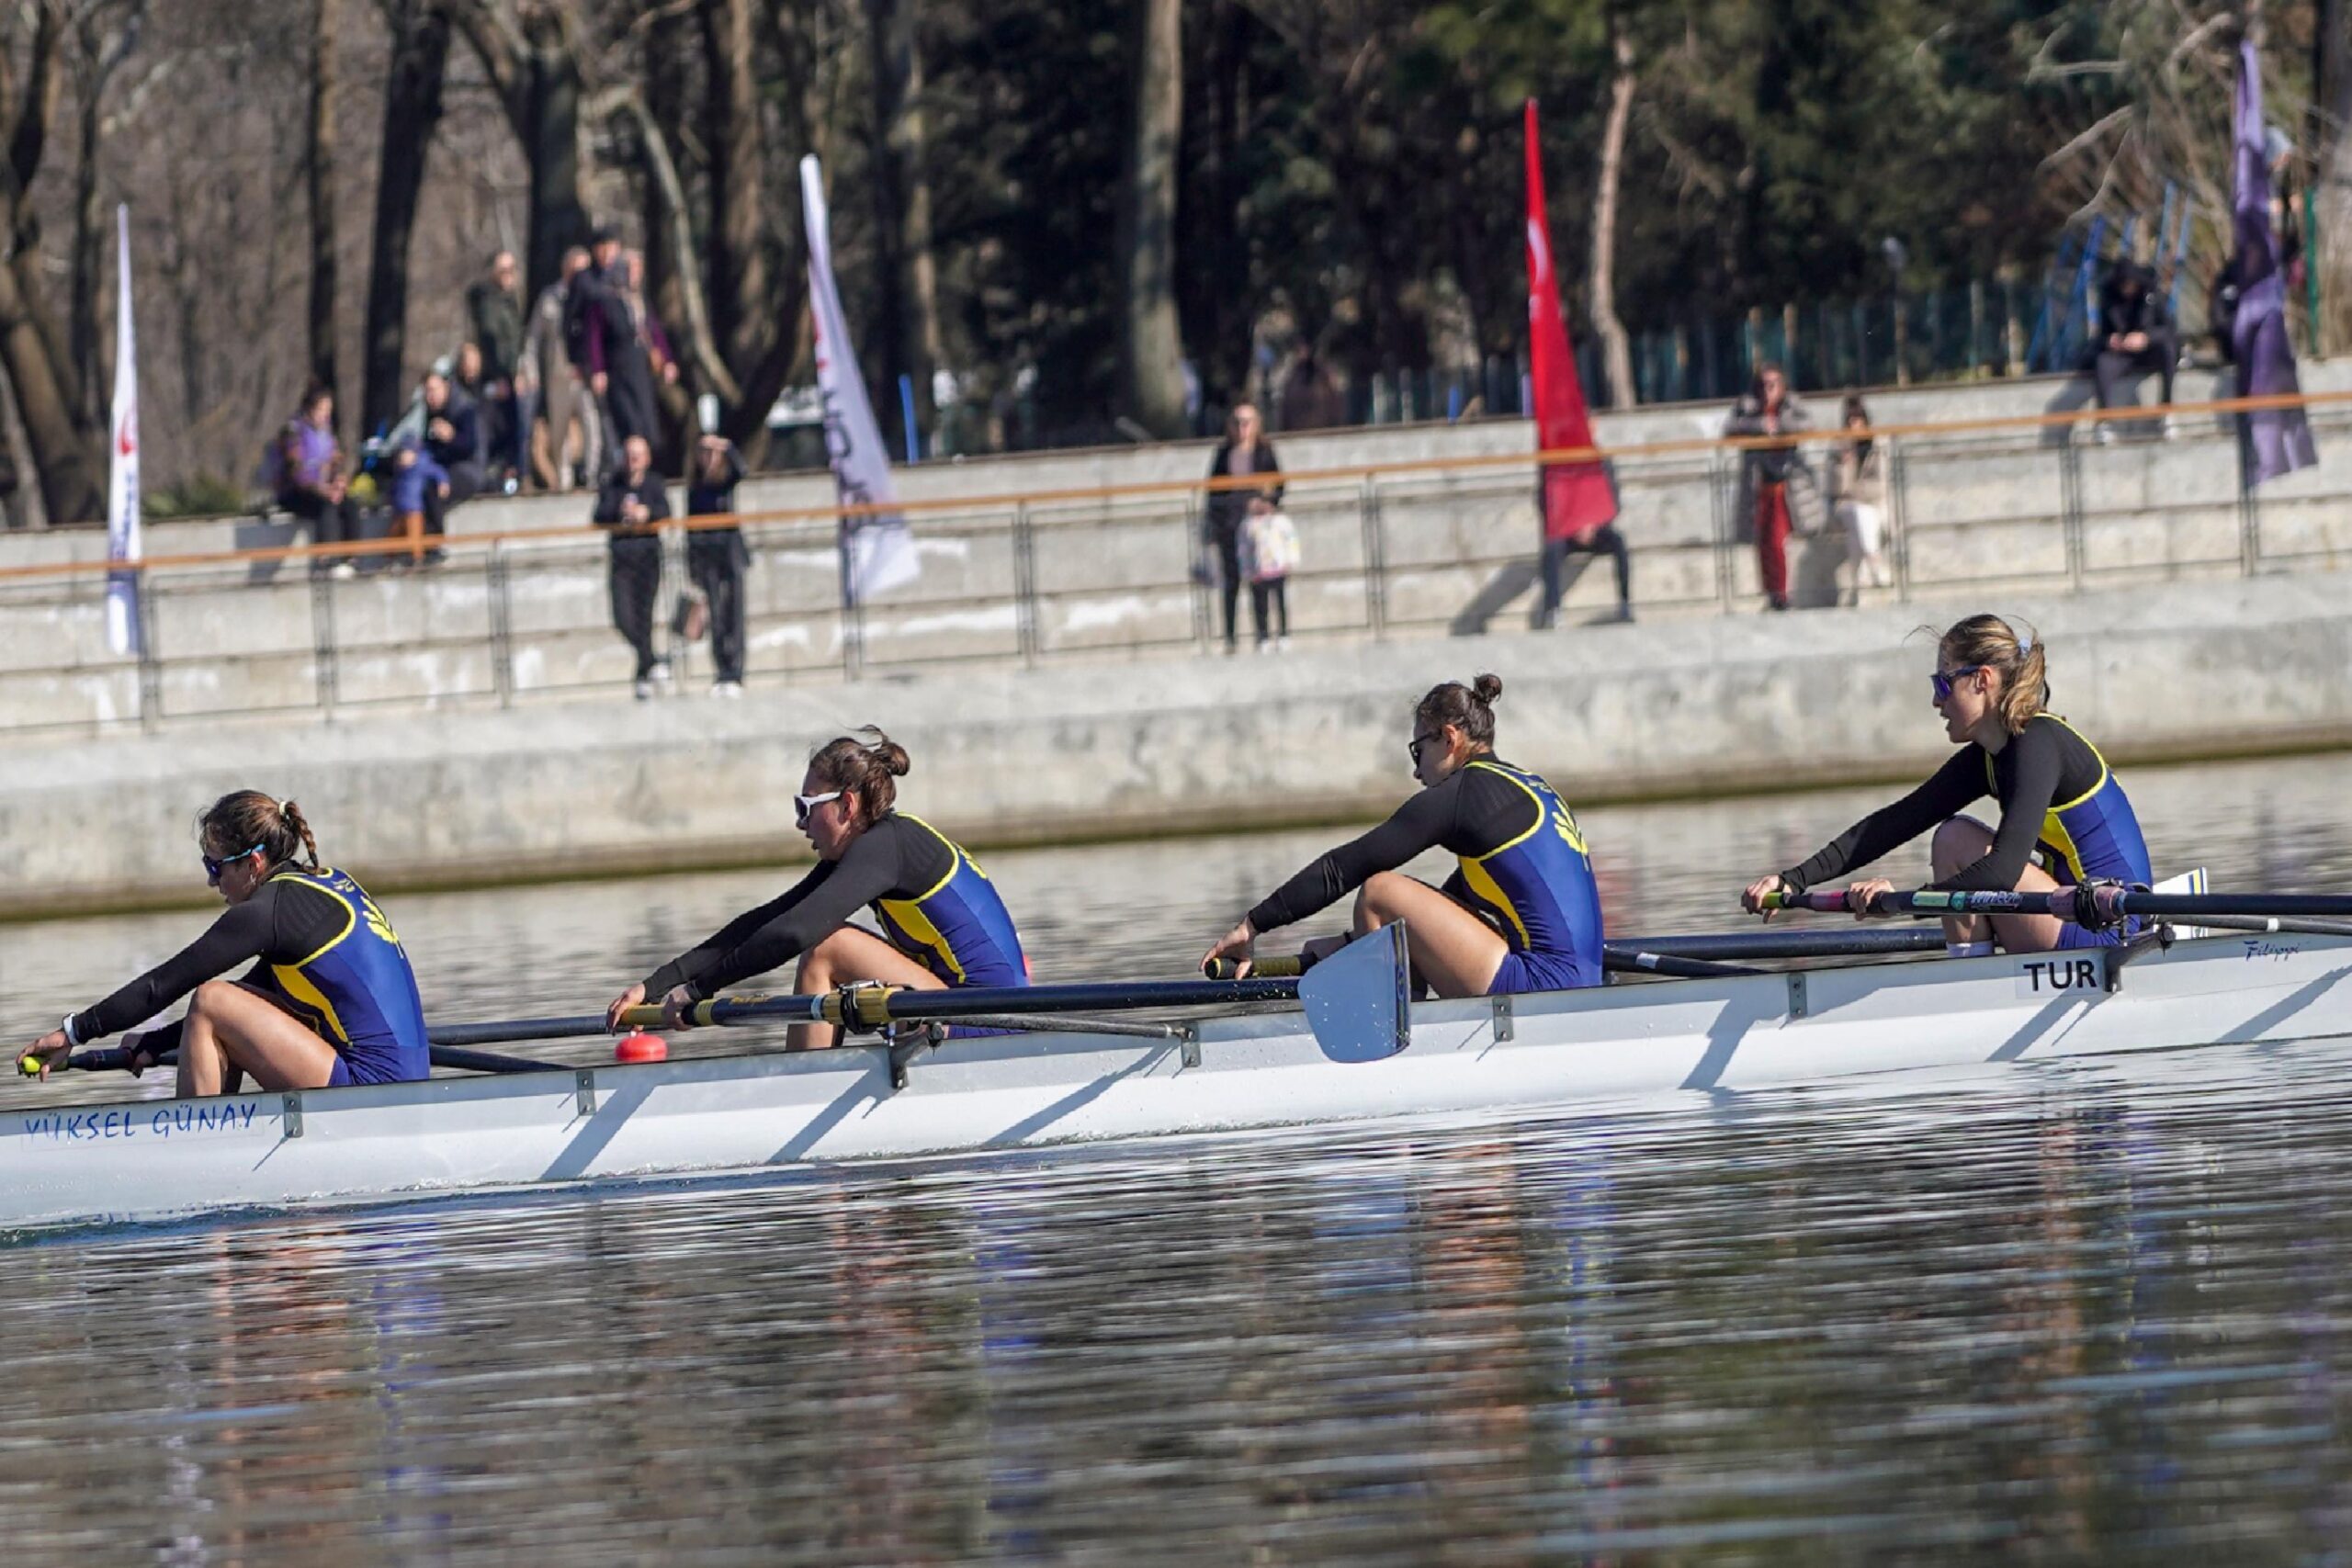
[(123, 633), (878, 548)]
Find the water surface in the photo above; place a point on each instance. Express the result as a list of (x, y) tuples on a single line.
[(2074, 1312)]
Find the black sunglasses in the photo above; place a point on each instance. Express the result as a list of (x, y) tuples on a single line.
[(1413, 750)]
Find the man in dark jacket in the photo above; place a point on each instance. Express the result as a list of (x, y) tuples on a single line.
[(633, 500), (453, 438), (2135, 336), (494, 310), (716, 556)]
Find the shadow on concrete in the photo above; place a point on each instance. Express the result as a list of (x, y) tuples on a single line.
[(1510, 580)]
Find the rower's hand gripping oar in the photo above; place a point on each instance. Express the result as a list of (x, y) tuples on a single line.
[(2098, 906)]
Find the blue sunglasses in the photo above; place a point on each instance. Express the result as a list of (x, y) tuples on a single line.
[(1942, 679), (212, 868)]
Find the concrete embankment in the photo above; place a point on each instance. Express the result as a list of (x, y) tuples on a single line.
[(1153, 748)]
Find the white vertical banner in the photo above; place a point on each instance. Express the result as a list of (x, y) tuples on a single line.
[(122, 472), (878, 548)]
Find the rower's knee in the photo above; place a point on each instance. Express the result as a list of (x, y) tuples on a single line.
[(1959, 841), (1377, 901), (210, 999)]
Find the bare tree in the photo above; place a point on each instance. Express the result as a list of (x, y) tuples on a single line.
[(107, 31), (319, 171), (1151, 348), (534, 61), (1617, 355), (412, 109), (2331, 192), (65, 446), (901, 186)]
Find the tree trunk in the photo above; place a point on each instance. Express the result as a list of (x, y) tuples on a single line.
[(1151, 347), (2332, 43), (412, 109), (754, 297), (88, 235), (549, 133), (318, 166), (62, 450), (1617, 356), (910, 342)]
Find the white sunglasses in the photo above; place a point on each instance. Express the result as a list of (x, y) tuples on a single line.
[(802, 804)]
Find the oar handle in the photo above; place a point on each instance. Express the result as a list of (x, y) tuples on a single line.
[(109, 1058), (1275, 966)]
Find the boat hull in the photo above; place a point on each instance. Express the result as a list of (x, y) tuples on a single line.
[(148, 1159)]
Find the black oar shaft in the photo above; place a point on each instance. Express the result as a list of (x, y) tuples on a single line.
[(509, 1030), (1623, 962)]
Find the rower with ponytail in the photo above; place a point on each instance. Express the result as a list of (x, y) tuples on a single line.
[(330, 999), (942, 924), (1520, 913), (2065, 819)]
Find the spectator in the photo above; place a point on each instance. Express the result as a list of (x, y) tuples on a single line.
[(1767, 473), (1244, 450), (650, 336), (1268, 555), (613, 346), (715, 557), (453, 439), (548, 383), (311, 481), (1859, 483), (1311, 398), (419, 486), (632, 500), (1595, 540), (494, 309), (2135, 336)]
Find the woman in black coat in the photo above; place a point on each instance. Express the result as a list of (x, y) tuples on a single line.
[(1244, 450)]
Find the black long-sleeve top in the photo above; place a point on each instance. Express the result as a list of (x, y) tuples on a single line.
[(1471, 811), (653, 490), (2045, 763), (891, 859), (283, 922)]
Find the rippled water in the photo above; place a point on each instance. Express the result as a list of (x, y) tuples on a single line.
[(2081, 1311)]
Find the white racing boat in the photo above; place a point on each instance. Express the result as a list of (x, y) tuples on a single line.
[(1347, 1050)]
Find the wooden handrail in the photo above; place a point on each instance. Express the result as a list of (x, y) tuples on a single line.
[(1162, 488)]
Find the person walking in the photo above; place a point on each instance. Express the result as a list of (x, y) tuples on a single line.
[(1591, 538), (1859, 481), (1244, 451), (1770, 408), (632, 500), (715, 557)]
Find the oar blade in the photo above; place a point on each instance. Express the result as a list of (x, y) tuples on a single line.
[(1358, 1001)]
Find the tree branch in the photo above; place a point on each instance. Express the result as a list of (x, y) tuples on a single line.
[(700, 340), (498, 44)]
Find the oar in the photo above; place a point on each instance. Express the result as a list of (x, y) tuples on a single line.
[(2100, 904), (117, 1058), (1616, 959), (876, 1006)]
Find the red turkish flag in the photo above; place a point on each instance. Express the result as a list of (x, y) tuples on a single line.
[(1577, 496)]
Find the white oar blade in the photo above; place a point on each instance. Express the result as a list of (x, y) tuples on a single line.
[(1357, 1001)]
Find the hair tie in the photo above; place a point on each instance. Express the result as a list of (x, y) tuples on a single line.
[(286, 808), (2025, 644)]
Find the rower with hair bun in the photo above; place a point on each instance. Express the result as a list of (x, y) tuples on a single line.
[(1520, 913), (329, 999), (2058, 799), (942, 921)]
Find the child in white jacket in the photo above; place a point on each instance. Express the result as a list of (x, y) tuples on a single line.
[(1268, 555)]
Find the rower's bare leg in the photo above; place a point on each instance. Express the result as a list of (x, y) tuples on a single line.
[(233, 1028), (1961, 842), (850, 955), (1454, 953)]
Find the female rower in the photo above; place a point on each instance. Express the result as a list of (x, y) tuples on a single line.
[(1520, 913), (330, 999), (945, 925), (2054, 791)]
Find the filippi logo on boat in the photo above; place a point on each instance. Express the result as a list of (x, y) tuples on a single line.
[(2041, 976), (2278, 952)]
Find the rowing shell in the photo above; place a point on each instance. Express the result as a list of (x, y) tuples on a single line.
[(149, 1160)]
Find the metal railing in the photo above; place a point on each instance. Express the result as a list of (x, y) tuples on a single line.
[(1069, 575)]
